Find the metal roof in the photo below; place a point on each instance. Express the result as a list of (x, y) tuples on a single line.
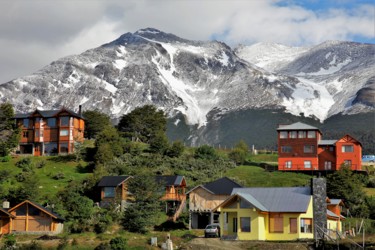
[(222, 186), (47, 113), (327, 142), (335, 201), (297, 126), (170, 180), (280, 199), (112, 181)]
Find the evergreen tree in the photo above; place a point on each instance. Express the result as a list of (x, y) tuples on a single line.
[(143, 123), (95, 122), (9, 132), (239, 153), (108, 145), (142, 214), (345, 184)]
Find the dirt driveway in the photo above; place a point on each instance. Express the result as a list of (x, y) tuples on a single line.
[(217, 244)]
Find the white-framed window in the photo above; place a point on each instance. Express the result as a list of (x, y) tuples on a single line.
[(327, 165), (288, 164), (64, 132), (307, 164), (306, 225), (347, 148), (348, 163), (293, 134), (283, 134), (301, 134), (311, 134)]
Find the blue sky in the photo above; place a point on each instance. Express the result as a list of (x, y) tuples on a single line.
[(35, 33)]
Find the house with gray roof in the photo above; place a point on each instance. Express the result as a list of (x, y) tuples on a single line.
[(205, 197), (274, 213)]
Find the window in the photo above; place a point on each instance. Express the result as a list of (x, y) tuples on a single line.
[(26, 123), (33, 211), (286, 149), (331, 149), (64, 121), (51, 122), (306, 225), (348, 163), (283, 134), (50, 148), (109, 192), (347, 148), (293, 134), (307, 164), (276, 223), (64, 132), (245, 224), (293, 225), (25, 134), (327, 165), (21, 211), (311, 134), (288, 164), (245, 204), (308, 149), (36, 132), (301, 134), (64, 148)]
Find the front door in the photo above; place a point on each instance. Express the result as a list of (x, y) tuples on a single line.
[(234, 225), (37, 149)]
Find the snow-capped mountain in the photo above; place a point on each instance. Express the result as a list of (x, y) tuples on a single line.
[(201, 82)]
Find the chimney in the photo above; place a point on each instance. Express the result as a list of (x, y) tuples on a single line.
[(80, 110), (319, 193), (6, 204)]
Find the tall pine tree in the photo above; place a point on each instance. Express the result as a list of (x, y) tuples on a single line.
[(9, 132)]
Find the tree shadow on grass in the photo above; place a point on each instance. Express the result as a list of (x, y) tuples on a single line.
[(170, 226)]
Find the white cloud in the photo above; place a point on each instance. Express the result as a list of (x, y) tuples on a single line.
[(38, 32)]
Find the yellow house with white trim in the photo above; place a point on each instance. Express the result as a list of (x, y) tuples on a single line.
[(275, 214)]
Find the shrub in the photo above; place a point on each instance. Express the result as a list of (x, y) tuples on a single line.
[(6, 158), (59, 176), (25, 164), (118, 243), (9, 242), (41, 164)]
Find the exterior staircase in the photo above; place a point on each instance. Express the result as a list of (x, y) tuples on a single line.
[(179, 210)]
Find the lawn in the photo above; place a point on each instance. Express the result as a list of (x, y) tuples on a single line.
[(252, 176), (53, 173)]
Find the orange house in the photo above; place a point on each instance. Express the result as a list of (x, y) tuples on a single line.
[(301, 148), (49, 132)]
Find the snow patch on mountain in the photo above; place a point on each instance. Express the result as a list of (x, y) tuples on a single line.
[(310, 98)]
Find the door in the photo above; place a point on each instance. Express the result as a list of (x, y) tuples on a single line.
[(234, 225), (37, 149)]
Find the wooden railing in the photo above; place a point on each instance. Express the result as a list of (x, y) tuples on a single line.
[(174, 197)]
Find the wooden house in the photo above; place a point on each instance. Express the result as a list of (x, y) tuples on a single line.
[(301, 148), (114, 190), (274, 214), (334, 217), (5, 221), (49, 132), (30, 217), (204, 198), (174, 194)]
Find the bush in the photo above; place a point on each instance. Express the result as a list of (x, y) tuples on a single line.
[(6, 158), (9, 242), (25, 164), (118, 243), (59, 176), (205, 152), (32, 246), (41, 164), (371, 183)]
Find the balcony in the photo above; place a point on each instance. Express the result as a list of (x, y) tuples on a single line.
[(173, 197)]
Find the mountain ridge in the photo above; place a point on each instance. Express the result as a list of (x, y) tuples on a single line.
[(203, 80)]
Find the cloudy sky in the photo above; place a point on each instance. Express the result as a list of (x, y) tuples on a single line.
[(33, 33)]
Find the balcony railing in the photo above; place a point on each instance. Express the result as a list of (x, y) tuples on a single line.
[(296, 167), (174, 197)]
